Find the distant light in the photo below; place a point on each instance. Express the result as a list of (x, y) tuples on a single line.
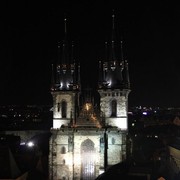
[(144, 113), (30, 144), (133, 124), (156, 136), (22, 143)]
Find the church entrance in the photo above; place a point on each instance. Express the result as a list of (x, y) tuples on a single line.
[(87, 160)]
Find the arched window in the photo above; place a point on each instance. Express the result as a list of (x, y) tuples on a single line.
[(114, 108), (88, 160), (64, 109), (113, 141), (64, 162), (58, 106), (63, 150)]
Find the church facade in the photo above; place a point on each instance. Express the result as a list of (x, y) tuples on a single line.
[(87, 138)]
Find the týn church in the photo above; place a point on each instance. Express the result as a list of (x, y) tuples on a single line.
[(87, 138)]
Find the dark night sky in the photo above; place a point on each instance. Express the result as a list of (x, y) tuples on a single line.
[(31, 31)]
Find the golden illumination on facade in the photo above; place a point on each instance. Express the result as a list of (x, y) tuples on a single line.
[(88, 106)]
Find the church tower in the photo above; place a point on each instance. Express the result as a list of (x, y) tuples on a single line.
[(86, 139), (114, 88), (114, 85), (65, 86)]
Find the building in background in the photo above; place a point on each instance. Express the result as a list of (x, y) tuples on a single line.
[(88, 137)]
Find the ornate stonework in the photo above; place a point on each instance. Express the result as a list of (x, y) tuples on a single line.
[(88, 137), (82, 153)]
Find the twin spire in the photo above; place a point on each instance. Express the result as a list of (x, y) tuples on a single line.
[(67, 70), (113, 73), (113, 57)]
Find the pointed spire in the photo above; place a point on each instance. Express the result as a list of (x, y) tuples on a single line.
[(100, 79), (65, 46), (105, 64), (72, 53), (112, 51), (65, 25), (106, 51), (79, 77), (125, 67), (113, 24), (73, 64), (126, 73), (59, 52), (58, 66), (122, 55), (52, 78)]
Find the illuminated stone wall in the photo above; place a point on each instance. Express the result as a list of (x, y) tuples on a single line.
[(116, 147), (86, 150), (121, 97), (58, 97), (65, 158)]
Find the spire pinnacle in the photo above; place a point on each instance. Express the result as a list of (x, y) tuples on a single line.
[(112, 52), (72, 53), (65, 57), (59, 58), (65, 24), (52, 78), (113, 25), (106, 51), (113, 19), (122, 55), (79, 77)]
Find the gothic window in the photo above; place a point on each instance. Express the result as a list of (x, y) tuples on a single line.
[(88, 160), (64, 109), (113, 141), (63, 150), (70, 144), (114, 108), (58, 106)]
